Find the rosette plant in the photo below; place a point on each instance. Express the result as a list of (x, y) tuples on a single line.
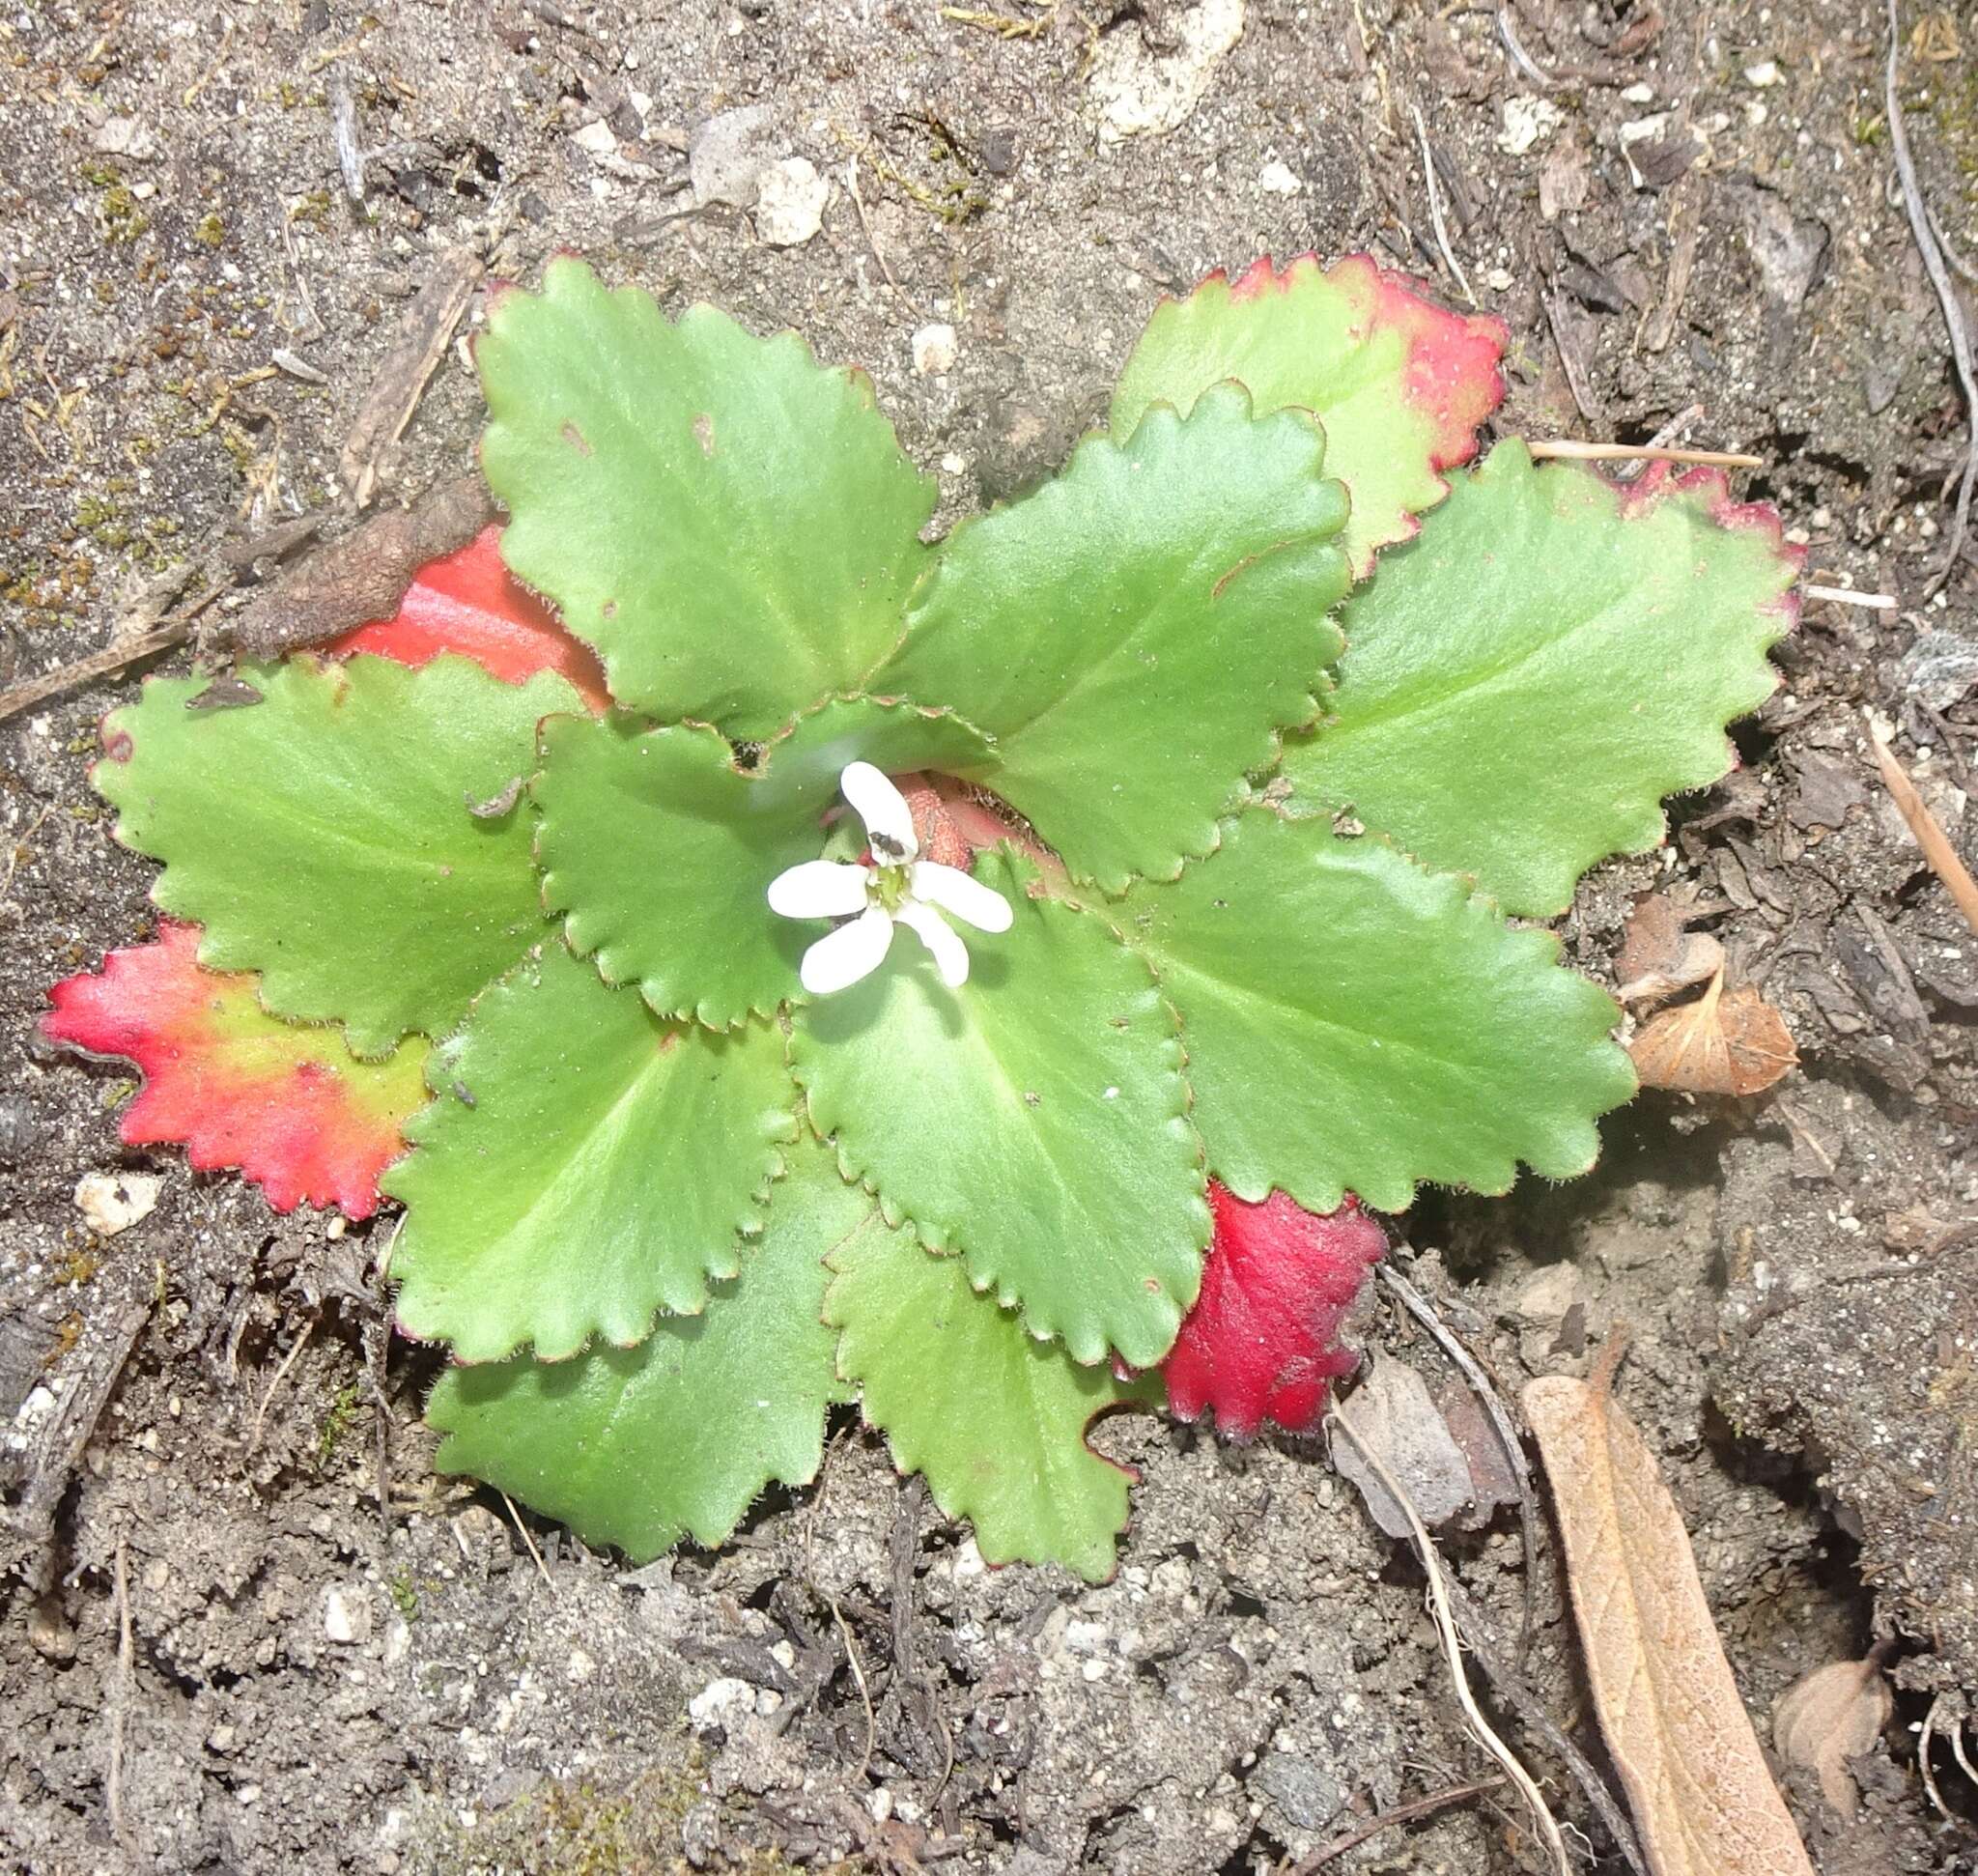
[(808, 963)]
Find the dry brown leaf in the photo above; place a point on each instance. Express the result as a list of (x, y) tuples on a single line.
[(1659, 957), (1831, 1715), (1392, 1413), (1726, 1042), (1695, 1778)]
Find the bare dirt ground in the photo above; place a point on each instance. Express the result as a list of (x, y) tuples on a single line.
[(220, 1653)]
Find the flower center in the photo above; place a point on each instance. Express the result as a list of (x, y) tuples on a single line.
[(892, 886)]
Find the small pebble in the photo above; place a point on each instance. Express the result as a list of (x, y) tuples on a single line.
[(1277, 179), (112, 1203), (934, 350), (789, 202)]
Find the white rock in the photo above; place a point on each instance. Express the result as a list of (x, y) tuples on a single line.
[(110, 1202), (718, 1702), (340, 1618), (1276, 179), (1137, 90), (581, 1666), (597, 137), (1764, 73), (728, 153), (789, 202), (934, 350), (1527, 122)]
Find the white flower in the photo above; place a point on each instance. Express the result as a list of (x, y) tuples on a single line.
[(897, 888)]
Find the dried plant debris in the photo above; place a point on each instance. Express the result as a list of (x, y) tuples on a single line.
[(1725, 1042), (1391, 1414), (1670, 1711), (1830, 1717), (1659, 957)]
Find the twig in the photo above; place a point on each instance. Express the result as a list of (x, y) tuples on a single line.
[(1455, 266), (1959, 266), (872, 240), (99, 663), (289, 1360), (1944, 858), (1436, 1801), (1519, 57), (1848, 596), (1923, 1740), (1493, 1655), (1640, 453), (120, 1700), (1948, 299), (1676, 426), (837, 1615), (541, 1568), (1453, 1648), (1957, 1738), (1424, 1313)]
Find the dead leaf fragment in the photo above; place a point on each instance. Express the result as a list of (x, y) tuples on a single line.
[(362, 576), (1726, 1042), (1659, 957), (1831, 1715), (1392, 1416), (1695, 1778)]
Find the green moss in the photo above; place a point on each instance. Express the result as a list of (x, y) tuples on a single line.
[(336, 1423), (210, 231), (577, 1828), (405, 1595)]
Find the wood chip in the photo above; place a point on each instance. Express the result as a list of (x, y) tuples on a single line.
[(1688, 1760), (414, 354), (362, 576), (1726, 1042), (1831, 1715)]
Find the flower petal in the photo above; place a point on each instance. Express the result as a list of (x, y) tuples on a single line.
[(841, 957), (951, 955), (889, 820), (955, 891), (820, 889)]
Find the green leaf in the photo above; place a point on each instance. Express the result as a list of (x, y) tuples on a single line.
[(584, 1166), (1035, 1120), (321, 836), (1399, 384), (1136, 634), (731, 525), (1354, 1022), (639, 1447), (964, 1394), (659, 849), (1525, 682)]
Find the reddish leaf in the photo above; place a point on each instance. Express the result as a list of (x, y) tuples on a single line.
[(1262, 1339), (285, 1102), (470, 602)]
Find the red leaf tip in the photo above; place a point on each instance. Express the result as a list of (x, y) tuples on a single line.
[(1262, 1341), (285, 1102)]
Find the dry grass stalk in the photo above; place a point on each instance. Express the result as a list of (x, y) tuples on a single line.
[(1945, 860)]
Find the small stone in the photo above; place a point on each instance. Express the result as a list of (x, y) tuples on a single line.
[(346, 1619), (701, 1833), (789, 202), (1277, 179), (1761, 75), (597, 139), (998, 151), (934, 350), (113, 1202), (881, 1802), (712, 1709), (728, 153), (1527, 123), (580, 1668)]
